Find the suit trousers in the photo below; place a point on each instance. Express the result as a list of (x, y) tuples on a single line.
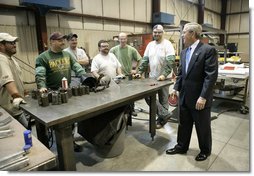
[(202, 121)]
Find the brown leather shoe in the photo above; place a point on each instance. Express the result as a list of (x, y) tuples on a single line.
[(159, 124), (161, 121)]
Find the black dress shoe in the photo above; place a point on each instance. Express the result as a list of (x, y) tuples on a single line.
[(77, 148), (175, 150), (201, 157)]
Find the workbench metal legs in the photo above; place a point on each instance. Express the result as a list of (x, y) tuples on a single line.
[(129, 119), (41, 131), (64, 141), (152, 115), (245, 91)]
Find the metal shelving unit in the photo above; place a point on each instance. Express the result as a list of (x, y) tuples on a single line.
[(242, 95)]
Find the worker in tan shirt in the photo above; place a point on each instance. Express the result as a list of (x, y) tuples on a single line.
[(11, 84)]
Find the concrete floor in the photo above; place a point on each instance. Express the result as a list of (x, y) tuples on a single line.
[(230, 148)]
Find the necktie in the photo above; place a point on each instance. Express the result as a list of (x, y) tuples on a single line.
[(188, 57)]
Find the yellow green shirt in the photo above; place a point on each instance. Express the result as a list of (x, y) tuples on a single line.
[(126, 56)]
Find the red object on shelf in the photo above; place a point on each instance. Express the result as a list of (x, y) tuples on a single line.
[(173, 101), (143, 40), (229, 68)]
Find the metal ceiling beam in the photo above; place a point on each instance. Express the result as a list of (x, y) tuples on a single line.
[(156, 6), (40, 20), (213, 11), (41, 31), (238, 13), (201, 11), (223, 19), (98, 17)]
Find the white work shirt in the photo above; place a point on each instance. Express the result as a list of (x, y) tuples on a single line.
[(157, 53), (106, 65), (78, 54), (193, 47)]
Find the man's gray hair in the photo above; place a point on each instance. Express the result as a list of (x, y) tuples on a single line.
[(194, 27)]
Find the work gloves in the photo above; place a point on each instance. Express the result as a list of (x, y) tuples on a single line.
[(43, 90), (161, 78), (17, 101)]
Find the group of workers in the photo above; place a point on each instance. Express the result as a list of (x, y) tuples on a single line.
[(196, 76)]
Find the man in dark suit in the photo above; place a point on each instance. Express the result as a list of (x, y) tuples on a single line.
[(197, 75)]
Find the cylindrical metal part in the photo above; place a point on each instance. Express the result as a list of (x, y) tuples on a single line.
[(38, 94), (39, 99), (44, 99), (83, 90), (54, 98), (34, 94), (59, 98), (69, 91), (130, 76), (50, 96), (80, 92), (87, 90), (64, 97), (61, 90), (74, 91)]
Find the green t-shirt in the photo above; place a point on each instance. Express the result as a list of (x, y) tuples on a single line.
[(125, 56), (51, 67)]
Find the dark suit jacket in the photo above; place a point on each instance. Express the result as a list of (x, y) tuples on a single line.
[(200, 77)]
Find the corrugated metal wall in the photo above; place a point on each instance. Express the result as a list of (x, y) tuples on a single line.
[(26, 48), (185, 10), (239, 23), (182, 9), (90, 30)]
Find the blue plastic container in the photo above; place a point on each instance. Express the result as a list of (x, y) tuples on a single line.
[(28, 137)]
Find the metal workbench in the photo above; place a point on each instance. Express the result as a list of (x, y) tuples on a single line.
[(40, 157), (61, 117), (238, 97)]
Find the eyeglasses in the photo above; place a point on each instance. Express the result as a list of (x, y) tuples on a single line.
[(104, 46), (11, 43), (157, 32), (189, 31)]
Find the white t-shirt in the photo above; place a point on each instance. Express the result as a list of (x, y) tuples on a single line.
[(106, 65), (157, 54), (78, 54)]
